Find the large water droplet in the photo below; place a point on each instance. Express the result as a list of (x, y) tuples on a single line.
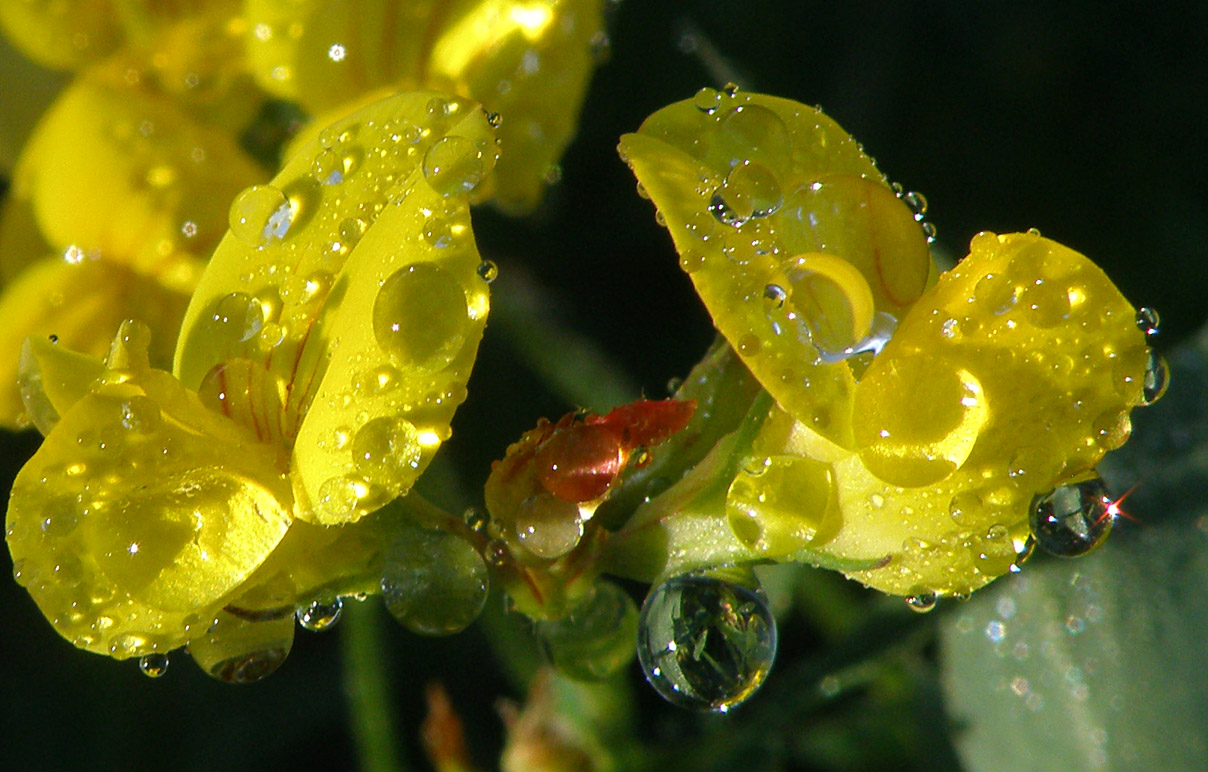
[(246, 648), (260, 214), (596, 638), (1157, 378), (547, 526), (320, 615), (705, 643), (153, 665), (750, 190), (1073, 519), (421, 317), (832, 298), (386, 450), (453, 166), (433, 582), (707, 100)]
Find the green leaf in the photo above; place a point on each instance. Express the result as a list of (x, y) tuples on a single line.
[(1101, 664)]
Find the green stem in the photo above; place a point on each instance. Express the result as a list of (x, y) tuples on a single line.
[(370, 711)]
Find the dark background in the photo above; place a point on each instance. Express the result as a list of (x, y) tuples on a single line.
[(1086, 120)]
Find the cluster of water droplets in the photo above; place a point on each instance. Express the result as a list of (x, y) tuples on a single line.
[(706, 643)]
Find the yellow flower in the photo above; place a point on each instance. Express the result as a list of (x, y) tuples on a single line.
[(126, 190), (914, 420), (526, 60), (321, 359)]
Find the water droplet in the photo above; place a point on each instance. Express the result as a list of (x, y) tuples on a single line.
[(1073, 519), (1157, 378), (1148, 321), (386, 450), (774, 295), (236, 317), (421, 317), (922, 602), (320, 615), (336, 53), (705, 643), (453, 166), (595, 640), (476, 519), (246, 648), (547, 526), (833, 300), (750, 190), (60, 516), (494, 120), (488, 271), (433, 582), (260, 214), (1026, 550), (140, 415), (153, 665), (916, 201), (707, 100), (731, 89)]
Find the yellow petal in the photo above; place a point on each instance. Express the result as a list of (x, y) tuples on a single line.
[(1013, 375), (142, 511), (121, 173), (61, 34), (528, 60), (798, 247), (81, 304), (352, 283)]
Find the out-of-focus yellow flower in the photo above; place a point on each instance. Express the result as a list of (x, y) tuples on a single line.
[(914, 420), (527, 60), (321, 359), (126, 188)]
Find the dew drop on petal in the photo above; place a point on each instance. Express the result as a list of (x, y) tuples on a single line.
[(705, 643), (433, 582), (260, 214), (386, 450), (1073, 519), (421, 317), (707, 100), (453, 166)]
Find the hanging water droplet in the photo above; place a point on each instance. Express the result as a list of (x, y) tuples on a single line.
[(705, 643), (547, 526), (246, 648), (915, 200), (320, 615), (1148, 321), (922, 602), (1026, 550), (595, 640), (153, 665), (453, 166), (488, 271), (928, 230), (1157, 378), (433, 582), (1073, 519)]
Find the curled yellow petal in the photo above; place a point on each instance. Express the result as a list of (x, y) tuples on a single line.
[(802, 252), (81, 304), (342, 313), (1013, 375), (142, 510)]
